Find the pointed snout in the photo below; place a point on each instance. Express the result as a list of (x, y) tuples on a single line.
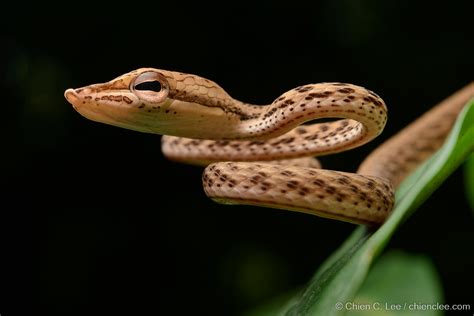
[(76, 96), (71, 96)]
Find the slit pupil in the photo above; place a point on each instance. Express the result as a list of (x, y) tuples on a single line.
[(149, 86)]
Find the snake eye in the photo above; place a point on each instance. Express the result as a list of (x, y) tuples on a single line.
[(150, 86)]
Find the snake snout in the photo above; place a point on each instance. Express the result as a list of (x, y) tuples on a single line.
[(76, 96), (71, 96)]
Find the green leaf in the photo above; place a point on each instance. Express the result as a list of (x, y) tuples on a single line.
[(339, 279), (469, 179), (397, 285)]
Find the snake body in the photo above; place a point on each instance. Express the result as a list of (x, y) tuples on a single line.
[(261, 154)]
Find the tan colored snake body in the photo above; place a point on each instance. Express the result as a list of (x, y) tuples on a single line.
[(266, 148)]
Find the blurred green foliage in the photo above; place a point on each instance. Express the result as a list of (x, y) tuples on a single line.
[(398, 278)]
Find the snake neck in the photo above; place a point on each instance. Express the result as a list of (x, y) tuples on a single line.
[(306, 103), (213, 114), (273, 132)]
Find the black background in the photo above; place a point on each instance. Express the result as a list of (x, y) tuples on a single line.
[(96, 221)]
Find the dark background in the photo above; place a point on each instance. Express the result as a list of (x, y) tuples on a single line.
[(95, 221)]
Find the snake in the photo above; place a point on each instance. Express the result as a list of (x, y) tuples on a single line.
[(263, 155)]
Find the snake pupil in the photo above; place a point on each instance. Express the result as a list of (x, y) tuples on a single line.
[(149, 86)]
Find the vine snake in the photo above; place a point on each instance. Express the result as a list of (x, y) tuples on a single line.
[(262, 154)]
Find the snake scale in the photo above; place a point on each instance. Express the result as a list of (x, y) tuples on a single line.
[(262, 154)]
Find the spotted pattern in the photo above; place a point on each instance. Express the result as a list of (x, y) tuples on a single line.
[(310, 140), (332, 194)]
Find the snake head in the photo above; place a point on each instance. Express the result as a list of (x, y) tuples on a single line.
[(129, 101), (157, 101)]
